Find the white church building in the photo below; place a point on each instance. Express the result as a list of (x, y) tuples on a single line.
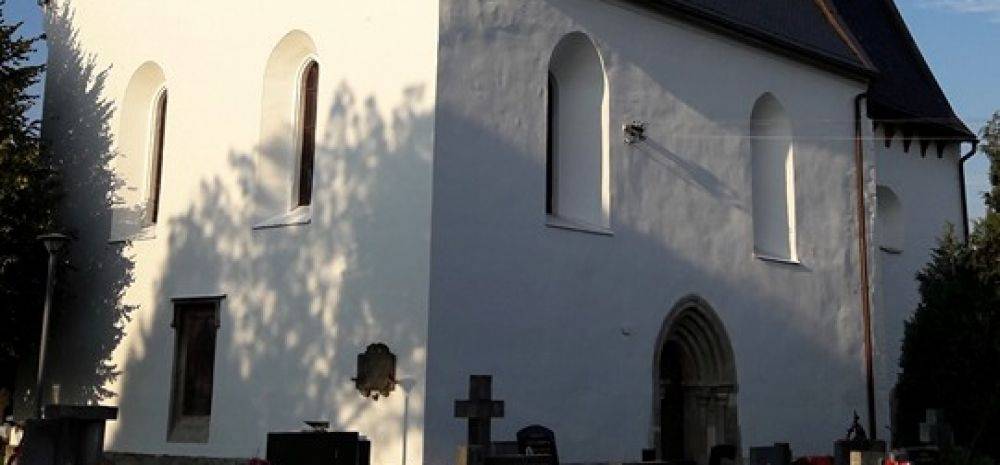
[(658, 224)]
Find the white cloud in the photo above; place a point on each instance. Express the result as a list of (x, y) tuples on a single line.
[(990, 8)]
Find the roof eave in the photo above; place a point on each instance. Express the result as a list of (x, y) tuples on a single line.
[(859, 72), (957, 125), (944, 128)]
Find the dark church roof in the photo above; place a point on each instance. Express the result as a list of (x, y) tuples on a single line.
[(861, 38), (905, 92), (796, 27)]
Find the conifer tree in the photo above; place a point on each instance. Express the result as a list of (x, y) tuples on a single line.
[(991, 147), (28, 197), (951, 346)]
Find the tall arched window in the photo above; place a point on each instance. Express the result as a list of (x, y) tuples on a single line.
[(888, 220), (772, 156), (286, 155), (551, 107), (577, 183), (156, 158), (139, 144), (307, 134)]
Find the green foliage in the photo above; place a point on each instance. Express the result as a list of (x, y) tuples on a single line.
[(986, 236), (951, 348), (991, 147), (28, 196)]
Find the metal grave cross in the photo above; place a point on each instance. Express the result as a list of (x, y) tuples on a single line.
[(480, 409)]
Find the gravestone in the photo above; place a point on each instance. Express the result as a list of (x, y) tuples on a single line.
[(867, 457), (538, 440), (480, 409), (856, 448), (67, 434), (935, 435), (725, 454), (318, 447), (504, 448), (778, 454), (934, 430)]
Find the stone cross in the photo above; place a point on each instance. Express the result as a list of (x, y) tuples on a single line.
[(928, 426), (933, 430), (480, 409)]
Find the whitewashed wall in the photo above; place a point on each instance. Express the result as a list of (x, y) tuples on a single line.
[(929, 195), (567, 321), (301, 302)]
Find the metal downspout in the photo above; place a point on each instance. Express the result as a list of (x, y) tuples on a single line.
[(961, 185), (866, 315)]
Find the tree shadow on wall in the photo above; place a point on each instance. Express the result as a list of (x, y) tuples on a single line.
[(300, 301), (89, 315)]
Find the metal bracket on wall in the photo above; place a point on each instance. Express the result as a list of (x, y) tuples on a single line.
[(634, 132)]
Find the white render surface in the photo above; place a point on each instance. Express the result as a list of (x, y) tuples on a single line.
[(929, 197), (567, 321), (301, 302), (428, 229)]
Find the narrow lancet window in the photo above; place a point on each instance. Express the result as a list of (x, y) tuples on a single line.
[(888, 221), (552, 106), (577, 181), (156, 158), (307, 134), (139, 149), (772, 179), (285, 162)]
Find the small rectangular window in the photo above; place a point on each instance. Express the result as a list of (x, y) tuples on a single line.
[(196, 322)]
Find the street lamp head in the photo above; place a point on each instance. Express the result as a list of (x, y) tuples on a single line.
[(54, 242)]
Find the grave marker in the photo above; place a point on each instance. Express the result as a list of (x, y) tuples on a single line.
[(480, 409), (933, 430), (538, 440)]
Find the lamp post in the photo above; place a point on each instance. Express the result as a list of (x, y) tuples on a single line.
[(54, 243)]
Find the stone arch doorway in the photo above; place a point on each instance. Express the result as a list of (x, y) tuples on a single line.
[(694, 385)]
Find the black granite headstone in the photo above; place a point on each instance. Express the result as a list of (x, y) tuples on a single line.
[(723, 452), (778, 454), (318, 448), (538, 440), (68, 434)]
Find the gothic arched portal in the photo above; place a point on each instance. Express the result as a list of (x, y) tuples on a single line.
[(694, 376)]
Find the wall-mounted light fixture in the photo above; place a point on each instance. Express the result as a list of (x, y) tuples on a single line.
[(634, 132)]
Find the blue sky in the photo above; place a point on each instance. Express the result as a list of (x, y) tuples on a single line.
[(960, 40)]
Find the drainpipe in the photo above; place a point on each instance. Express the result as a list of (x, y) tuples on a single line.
[(961, 185), (866, 313)]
